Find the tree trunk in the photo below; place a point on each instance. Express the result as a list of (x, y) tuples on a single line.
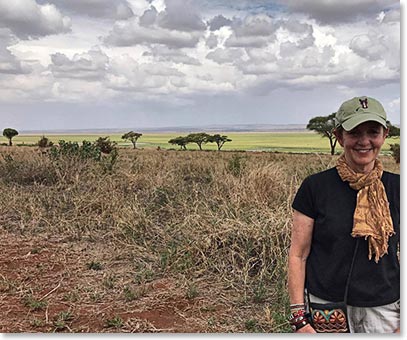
[(333, 144)]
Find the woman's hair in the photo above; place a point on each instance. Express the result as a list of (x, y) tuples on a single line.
[(339, 129)]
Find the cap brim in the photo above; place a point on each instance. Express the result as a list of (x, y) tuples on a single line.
[(354, 121)]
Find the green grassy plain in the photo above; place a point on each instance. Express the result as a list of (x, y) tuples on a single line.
[(247, 141)]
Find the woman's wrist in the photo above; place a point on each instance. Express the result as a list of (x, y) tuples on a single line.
[(298, 318)]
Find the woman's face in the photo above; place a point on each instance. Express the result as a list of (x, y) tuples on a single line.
[(362, 145)]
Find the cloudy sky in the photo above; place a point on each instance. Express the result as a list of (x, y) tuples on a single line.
[(67, 64)]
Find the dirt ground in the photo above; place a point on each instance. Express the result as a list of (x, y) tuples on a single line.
[(56, 285)]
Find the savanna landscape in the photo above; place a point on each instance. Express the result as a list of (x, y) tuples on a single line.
[(152, 239)]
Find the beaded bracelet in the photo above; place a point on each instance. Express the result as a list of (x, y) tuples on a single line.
[(297, 307), (298, 319)]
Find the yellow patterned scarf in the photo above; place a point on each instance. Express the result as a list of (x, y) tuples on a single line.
[(372, 218)]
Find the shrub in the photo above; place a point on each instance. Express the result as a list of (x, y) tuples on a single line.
[(395, 150), (44, 142), (105, 145), (72, 149)]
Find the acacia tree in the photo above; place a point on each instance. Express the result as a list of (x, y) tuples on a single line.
[(219, 140), (181, 141), (198, 138), (132, 137), (9, 133), (324, 125)]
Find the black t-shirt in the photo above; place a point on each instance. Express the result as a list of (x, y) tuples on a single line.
[(331, 203)]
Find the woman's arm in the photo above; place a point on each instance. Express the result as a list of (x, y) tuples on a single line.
[(301, 238)]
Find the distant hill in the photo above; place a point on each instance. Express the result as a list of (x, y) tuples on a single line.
[(183, 129)]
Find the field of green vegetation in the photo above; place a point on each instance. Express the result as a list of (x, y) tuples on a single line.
[(298, 142), (150, 240)]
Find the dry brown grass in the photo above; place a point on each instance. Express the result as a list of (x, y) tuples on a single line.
[(215, 222)]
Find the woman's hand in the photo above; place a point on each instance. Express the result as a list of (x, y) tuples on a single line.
[(306, 329)]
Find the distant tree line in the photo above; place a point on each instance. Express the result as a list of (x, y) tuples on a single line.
[(199, 139)]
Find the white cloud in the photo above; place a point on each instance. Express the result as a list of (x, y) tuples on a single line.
[(90, 66), (130, 33), (127, 74), (26, 87), (26, 19), (219, 21), (9, 64), (392, 16), (339, 11), (212, 41), (164, 54), (115, 9), (381, 45), (254, 25), (221, 55), (252, 31), (149, 17), (181, 52), (368, 46), (180, 15)]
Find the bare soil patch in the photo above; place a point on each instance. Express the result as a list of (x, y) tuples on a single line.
[(50, 285)]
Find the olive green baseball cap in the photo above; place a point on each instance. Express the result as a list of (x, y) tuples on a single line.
[(359, 110)]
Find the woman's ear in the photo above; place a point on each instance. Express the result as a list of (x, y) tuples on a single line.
[(386, 132), (338, 135)]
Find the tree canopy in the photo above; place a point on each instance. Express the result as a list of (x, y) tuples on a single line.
[(132, 137), (219, 140), (9, 133), (181, 141), (198, 138)]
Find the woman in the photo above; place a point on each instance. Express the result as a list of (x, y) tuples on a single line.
[(356, 200)]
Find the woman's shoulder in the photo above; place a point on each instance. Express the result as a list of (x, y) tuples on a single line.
[(324, 175), (391, 179), (390, 176), (321, 179)]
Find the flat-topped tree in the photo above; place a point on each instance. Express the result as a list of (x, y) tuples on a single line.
[(324, 125), (198, 138), (9, 133), (132, 137), (181, 141), (219, 140)]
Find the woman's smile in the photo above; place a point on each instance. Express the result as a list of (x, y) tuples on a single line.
[(362, 145)]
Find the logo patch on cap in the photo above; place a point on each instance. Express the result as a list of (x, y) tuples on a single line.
[(363, 102)]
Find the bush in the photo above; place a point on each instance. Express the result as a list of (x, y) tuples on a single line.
[(44, 142), (72, 149), (395, 150), (105, 145)]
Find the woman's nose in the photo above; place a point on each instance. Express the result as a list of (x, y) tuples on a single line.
[(363, 138)]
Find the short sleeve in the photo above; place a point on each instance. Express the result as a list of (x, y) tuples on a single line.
[(304, 200)]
